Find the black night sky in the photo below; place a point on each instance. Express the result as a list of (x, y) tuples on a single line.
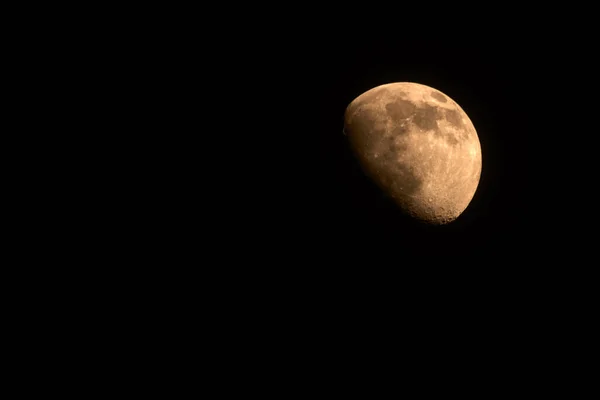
[(299, 246), (342, 215), (326, 236), (307, 202), (238, 212)]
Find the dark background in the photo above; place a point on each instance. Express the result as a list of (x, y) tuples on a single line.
[(273, 95), (273, 230), (253, 178), (337, 215), (271, 238), (281, 189), (322, 238)]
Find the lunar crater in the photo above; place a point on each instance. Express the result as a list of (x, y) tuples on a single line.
[(439, 97)]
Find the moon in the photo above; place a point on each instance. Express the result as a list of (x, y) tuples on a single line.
[(419, 146)]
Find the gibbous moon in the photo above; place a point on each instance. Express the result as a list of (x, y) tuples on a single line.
[(418, 146)]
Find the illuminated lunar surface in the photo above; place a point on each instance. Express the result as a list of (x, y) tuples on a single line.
[(418, 146)]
